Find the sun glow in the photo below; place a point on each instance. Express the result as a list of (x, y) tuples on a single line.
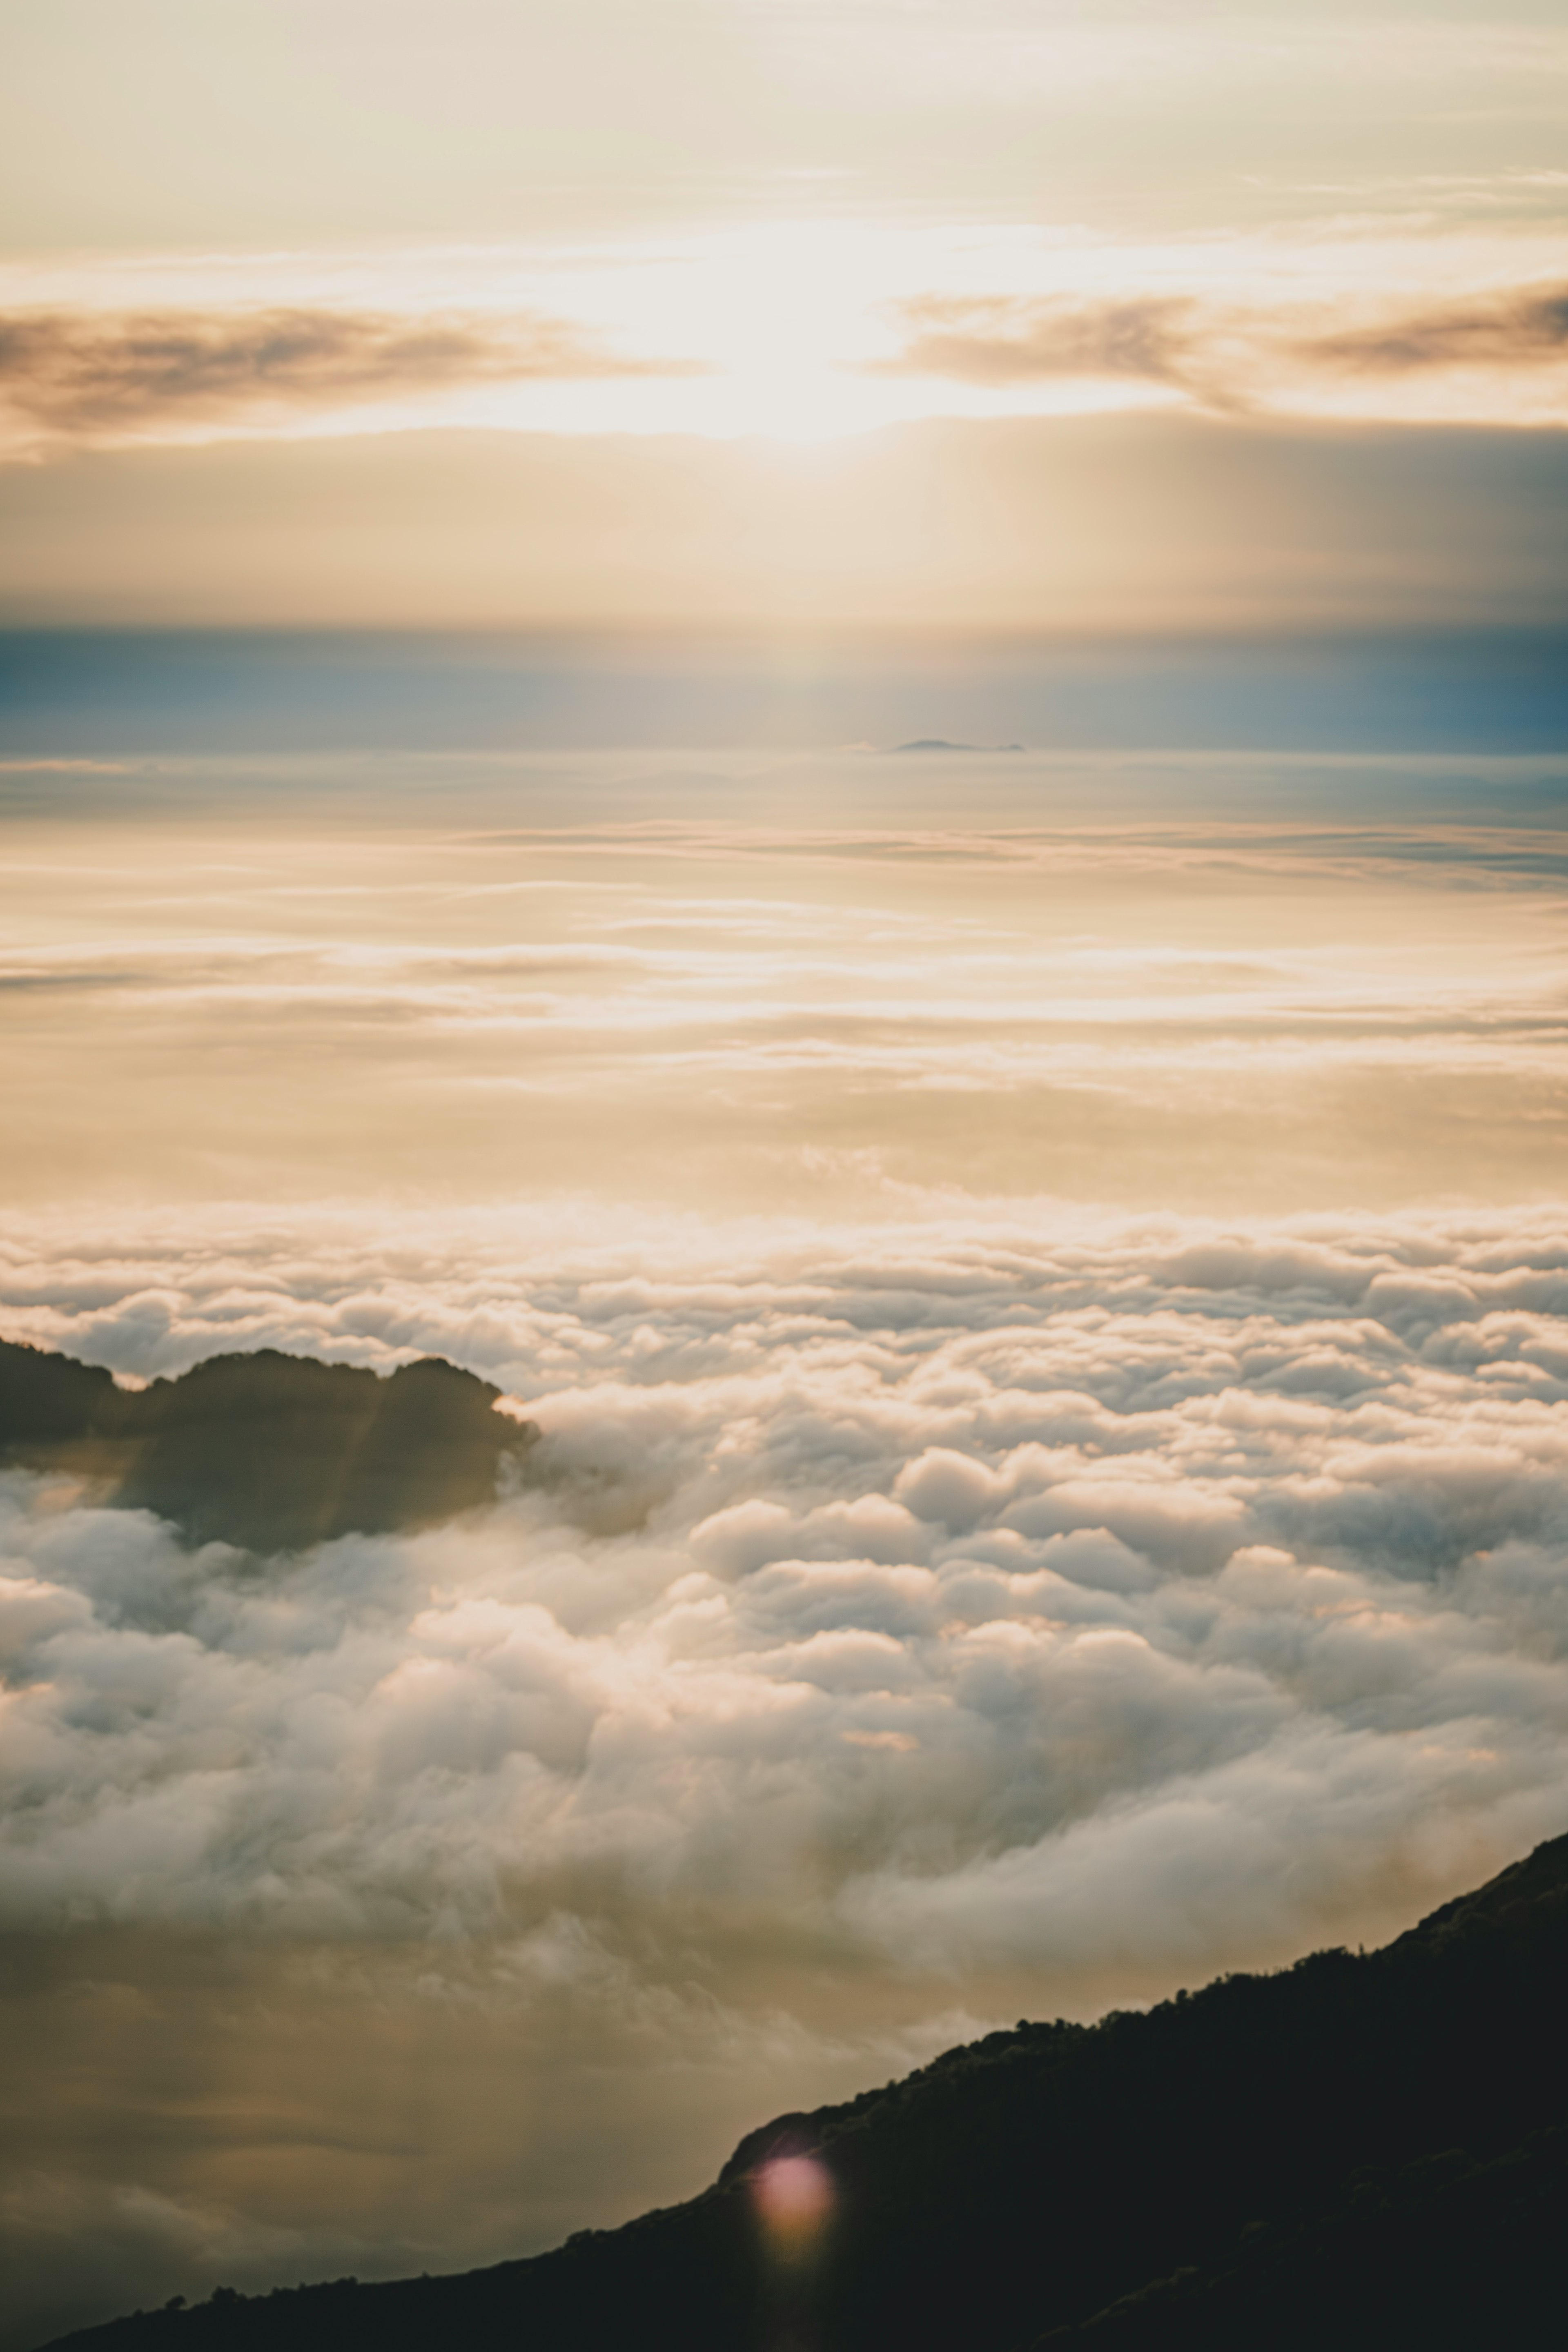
[(802, 329)]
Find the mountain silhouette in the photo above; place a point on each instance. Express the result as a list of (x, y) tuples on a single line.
[(269, 1452), (939, 743), (1363, 2150)]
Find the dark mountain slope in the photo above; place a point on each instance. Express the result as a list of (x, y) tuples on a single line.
[(1358, 2151), (266, 1450), (1443, 2251)]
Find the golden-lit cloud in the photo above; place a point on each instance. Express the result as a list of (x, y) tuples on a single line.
[(1219, 354), (793, 334), (1526, 327), (1002, 339), (95, 377), (770, 981)]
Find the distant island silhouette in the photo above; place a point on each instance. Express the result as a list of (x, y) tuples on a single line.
[(1358, 2154), (937, 743), (269, 1452)]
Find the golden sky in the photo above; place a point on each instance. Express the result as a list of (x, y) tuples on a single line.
[(772, 223)]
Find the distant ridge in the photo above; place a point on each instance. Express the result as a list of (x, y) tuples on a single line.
[(268, 1452), (936, 743), (1359, 2154)]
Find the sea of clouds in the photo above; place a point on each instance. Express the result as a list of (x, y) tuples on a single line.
[(1118, 1604)]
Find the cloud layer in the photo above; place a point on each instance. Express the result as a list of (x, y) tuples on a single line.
[(929, 1603), (1256, 985), (901, 1630), (1114, 1606)]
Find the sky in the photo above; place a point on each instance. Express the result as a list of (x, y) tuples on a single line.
[(697, 311), (835, 736)]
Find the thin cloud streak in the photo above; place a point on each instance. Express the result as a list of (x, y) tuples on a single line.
[(92, 377), (1222, 357), (1526, 329), (1000, 340)]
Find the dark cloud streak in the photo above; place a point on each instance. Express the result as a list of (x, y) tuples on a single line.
[(992, 342), (1522, 329), (86, 376), (1220, 358)]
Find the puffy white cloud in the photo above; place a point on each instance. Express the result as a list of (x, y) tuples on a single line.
[(869, 1586)]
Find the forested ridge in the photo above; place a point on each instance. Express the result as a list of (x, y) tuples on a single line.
[(1362, 2149)]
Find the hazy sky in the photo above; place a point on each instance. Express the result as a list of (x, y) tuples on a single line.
[(679, 222)]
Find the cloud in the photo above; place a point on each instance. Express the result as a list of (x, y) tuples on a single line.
[(1011, 340), (846, 1585), (972, 1608), (1527, 328), (76, 374), (1220, 355), (754, 1009), (105, 377), (911, 1627)]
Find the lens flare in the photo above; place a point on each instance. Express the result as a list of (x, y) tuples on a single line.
[(793, 2197)]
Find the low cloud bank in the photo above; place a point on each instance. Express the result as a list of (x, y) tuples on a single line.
[(1143, 1603), (910, 1629)]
